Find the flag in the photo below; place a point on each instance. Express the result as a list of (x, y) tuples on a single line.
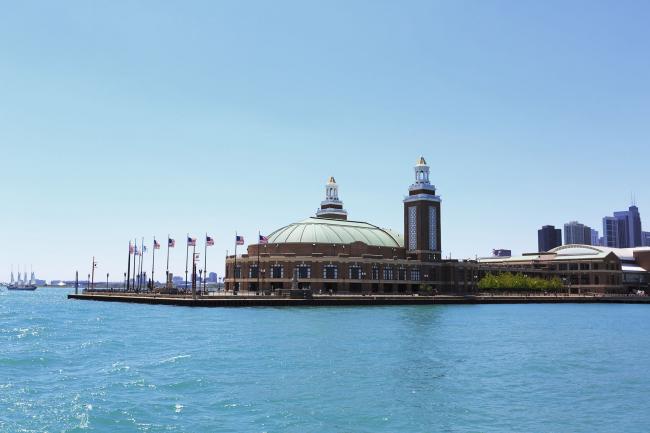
[(209, 241), (130, 248), (156, 245), (239, 240), (171, 243), (264, 240), (136, 252), (144, 248), (191, 242)]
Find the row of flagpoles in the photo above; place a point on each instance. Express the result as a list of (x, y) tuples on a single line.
[(138, 281)]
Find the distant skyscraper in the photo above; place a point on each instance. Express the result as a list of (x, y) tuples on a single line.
[(628, 229), (548, 237), (594, 237), (634, 220), (577, 233), (623, 229), (645, 237), (611, 232)]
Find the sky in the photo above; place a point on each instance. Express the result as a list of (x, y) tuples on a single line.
[(123, 120)]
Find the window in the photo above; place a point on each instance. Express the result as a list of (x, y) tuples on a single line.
[(433, 229), (388, 273), (573, 266), (238, 272), (375, 273), (252, 271), (563, 267), (413, 240), (355, 272), (330, 272), (277, 271), (303, 271), (584, 266), (401, 274), (415, 274)]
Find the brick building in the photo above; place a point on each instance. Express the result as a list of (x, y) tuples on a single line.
[(328, 252)]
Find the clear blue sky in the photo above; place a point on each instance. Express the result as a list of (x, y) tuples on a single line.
[(129, 119)]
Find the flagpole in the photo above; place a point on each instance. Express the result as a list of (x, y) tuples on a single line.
[(167, 269), (153, 261), (187, 251), (194, 270), (135, 246), (234, 270), (258, 260), (128, 270), (205, 262), (140, 264)]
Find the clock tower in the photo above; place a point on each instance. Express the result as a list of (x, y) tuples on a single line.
[(422, 217)]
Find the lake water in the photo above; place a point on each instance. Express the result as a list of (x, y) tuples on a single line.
[(80, 366)]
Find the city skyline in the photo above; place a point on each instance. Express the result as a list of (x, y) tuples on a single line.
[(122, 121)]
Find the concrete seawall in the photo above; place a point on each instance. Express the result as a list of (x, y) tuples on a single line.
[(325, 300)]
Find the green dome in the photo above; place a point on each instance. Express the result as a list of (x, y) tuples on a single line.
[(331, 231)]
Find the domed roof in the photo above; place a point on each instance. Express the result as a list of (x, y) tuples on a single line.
[(331, 231)]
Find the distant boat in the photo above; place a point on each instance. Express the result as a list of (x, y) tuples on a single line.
[(21, 284)]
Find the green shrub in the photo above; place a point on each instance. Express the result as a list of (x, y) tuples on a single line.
[(510, 281), (426, 290)]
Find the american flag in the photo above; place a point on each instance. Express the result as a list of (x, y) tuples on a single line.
[(136, 251), (209, 241), (130, 248), (171, 243), (191, 242), (264, 240), (144, 248), (156, 245), (239, 240)]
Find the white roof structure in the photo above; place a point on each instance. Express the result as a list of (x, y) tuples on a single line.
[(578, 252)]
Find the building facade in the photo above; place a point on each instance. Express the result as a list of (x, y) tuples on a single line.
[(645, 237), (623, 230), (548, 237), (577, 233), (611, 232), (584, 267)]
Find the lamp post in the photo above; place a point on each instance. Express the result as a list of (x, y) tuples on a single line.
[(200, 278), (363, 277), (106, 280), (124, 286), (263, 275), (88, 282)]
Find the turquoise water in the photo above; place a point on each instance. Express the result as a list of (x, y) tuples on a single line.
[(76, 366)]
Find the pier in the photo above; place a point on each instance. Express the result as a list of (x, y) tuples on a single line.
[(352, 300)]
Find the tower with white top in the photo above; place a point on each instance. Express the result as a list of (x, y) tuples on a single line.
[(422, 233), (332, 207)]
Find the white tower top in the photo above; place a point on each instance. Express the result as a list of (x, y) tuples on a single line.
[(421, 171), (332, 207), (331, 190)]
